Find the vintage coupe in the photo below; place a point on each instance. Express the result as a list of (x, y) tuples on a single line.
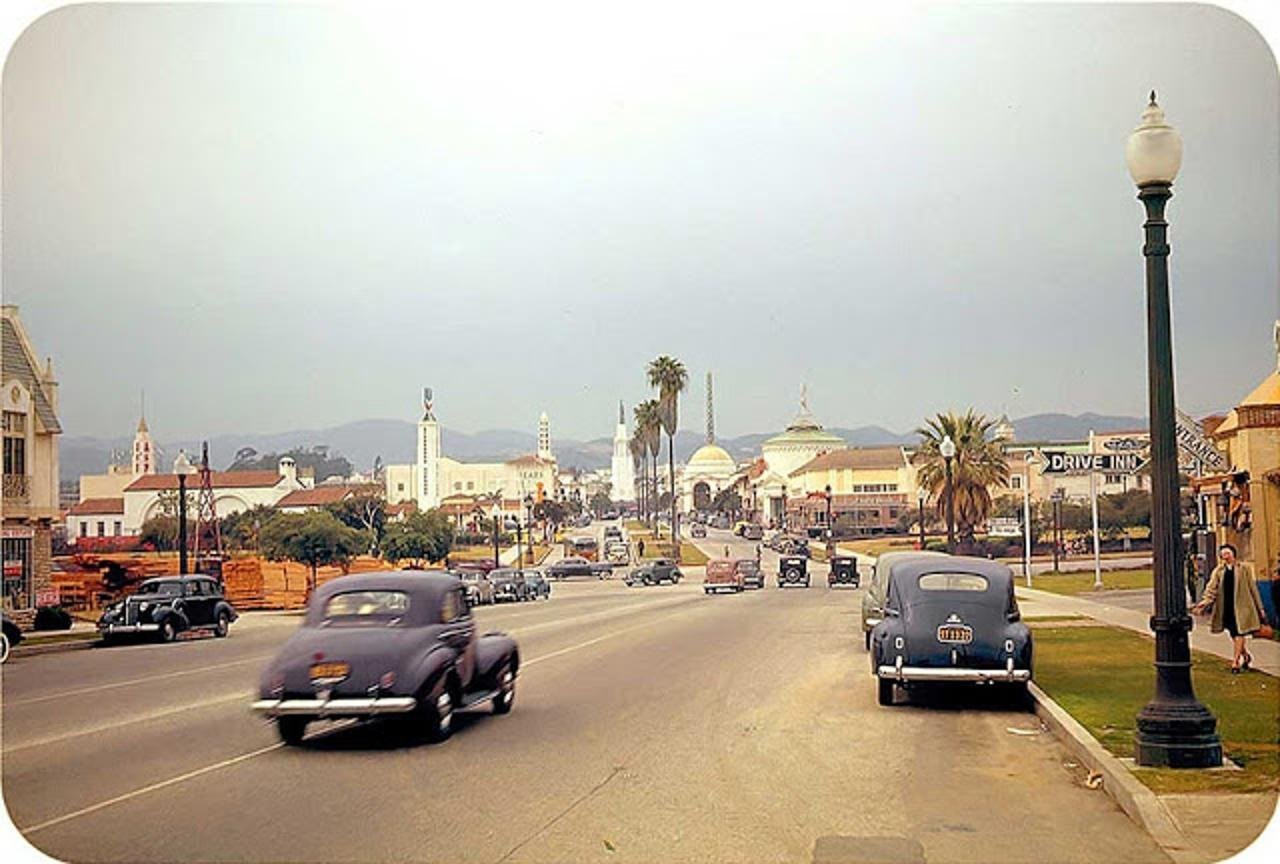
[(167, 606), (539, 587), (722, 575), (793, 570), (509, 584), (400, 643), (479, 588), (575, 565), (950, 619), (844, 571), (654, 572)]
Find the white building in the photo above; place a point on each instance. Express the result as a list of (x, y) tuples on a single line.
[(803, 440), (709, 470), (622, 471)]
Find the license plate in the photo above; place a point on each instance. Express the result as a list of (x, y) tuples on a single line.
[(330, 670), (961, 634)]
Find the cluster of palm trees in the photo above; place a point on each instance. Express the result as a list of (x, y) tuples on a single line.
[(653, 417), (977, 466)]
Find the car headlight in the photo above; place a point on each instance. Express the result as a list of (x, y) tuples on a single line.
[(143, 607)]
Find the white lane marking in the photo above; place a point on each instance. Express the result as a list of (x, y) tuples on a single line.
[(244, 757), (149, 679), (608, 613), (128, 721), (93, 808)]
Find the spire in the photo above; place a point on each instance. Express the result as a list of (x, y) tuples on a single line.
[(428, 403), (711, 417), (142, 414), (622, 417)]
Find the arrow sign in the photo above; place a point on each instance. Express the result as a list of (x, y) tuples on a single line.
[(1193, 442), (1061, 462)]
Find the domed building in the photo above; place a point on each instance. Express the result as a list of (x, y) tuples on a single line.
[(803, 440), (709, 470)]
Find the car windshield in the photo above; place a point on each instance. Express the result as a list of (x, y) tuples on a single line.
[(162, 589), (367, 605), (747, 566), (952, 582)]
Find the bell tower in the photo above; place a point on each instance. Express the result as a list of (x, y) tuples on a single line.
[(144, 449)]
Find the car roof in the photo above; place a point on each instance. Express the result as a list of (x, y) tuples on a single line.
[(890, 558), (424, 588), (905, 573)]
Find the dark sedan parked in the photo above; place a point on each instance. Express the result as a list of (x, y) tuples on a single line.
[(950, 619), (399, 643), (167, 606), (844, 571)]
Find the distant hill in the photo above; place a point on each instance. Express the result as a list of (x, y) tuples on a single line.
[(394, 440)]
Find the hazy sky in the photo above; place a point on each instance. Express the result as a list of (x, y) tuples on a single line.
[(293, 217)]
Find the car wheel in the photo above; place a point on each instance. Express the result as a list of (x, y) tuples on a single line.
[(506, 690), (706, 590), (4, 647), (167, 631), (884, 691), (866, 639), (291, 729), (223, 627), (437, 714)]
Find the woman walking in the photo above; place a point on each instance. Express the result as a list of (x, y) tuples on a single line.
[(1232, 599)]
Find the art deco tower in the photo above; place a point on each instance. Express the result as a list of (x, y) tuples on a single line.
[(623, 477)]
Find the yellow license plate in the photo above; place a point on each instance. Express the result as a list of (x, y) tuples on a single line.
[(962, 635), (330, 670)]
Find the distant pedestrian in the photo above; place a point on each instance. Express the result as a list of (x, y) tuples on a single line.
[(1232, 599), (640, 549), (757, 554)]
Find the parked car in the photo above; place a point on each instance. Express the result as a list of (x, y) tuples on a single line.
[(752, 532), (570, 566), (509, 584), (167, 606), (793, 570), (738, 528), (843, 571), (10, 636), (750, 572), (950, 619), (399, 643), (697, 530), (873, 597), (539, 587), (654, 572), (722, 575), (617, 552), (479, 587)]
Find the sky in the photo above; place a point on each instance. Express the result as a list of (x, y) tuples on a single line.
[(290, 217)]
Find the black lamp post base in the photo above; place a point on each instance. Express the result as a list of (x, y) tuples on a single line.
[(1177, 736)]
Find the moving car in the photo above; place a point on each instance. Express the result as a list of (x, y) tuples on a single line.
[(571, 566), (873, 597), (10, 636), (539, 587), (949, 619), (654, 572), (793, 570), (617, 552), (479, 588), (753, 532), (697, 530), (844, 571), (751, 574), (509, 584), (400, 643), (612, 532), (167, 606), (722, 575)]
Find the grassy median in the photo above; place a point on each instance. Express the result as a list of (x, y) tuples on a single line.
[(1103, 676), (1081, 582)]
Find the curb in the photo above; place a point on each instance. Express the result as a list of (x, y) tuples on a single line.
[(1137, 801)]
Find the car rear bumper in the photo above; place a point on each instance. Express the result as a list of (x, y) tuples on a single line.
[(113, 629), (335, 707), (902, 673)]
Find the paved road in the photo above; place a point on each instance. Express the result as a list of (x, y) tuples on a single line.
[(651, 724)]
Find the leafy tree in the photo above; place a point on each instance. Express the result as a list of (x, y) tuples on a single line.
[(600, 502), (727, 501), (314, 538), (669, 376), (161, 532), (978, 465), (553, 512), (317, 458), (367, 513), (243, 530), (638, 465), (420, 539)]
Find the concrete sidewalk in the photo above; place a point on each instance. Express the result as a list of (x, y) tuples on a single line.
[(1266, 653)]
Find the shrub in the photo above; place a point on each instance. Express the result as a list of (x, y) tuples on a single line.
[(935, 546), (52, 618)]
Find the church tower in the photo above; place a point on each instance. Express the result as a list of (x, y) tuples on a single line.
[(144, 449), (428, 455), (544, 438), (622, 472)]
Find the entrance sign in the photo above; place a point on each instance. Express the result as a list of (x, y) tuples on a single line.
[(1193, 441)]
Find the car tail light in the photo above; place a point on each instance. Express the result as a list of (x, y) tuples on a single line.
[(387, 681)]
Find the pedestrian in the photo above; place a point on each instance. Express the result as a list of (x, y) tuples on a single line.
[(757, 554), (640, 549), (1232, 599), (726, 550)]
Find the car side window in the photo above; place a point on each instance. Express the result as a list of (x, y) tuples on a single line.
[(464, 608), (193, 589), (449, 607)]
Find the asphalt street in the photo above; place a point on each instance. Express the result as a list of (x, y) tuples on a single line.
[(650, 724)]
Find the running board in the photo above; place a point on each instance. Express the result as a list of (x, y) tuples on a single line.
[(471, 700)]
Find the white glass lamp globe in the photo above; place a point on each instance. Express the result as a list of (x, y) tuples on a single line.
[(1154, 150), (182, 465), (947, 448)]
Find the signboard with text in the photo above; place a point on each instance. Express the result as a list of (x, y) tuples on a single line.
[(1193, 442), (1061, 462)]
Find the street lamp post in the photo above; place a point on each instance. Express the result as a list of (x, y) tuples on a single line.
[(922, 495), (948, 450), (1030, 460), (1057, 522), (830, 533), (496, 562), (528, 521), (183, 468), (1174, 728)]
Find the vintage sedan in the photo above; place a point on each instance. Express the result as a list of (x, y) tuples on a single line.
[(843, 571), (873, 597), (950, 619), (539, 587), (509, 585), (400, 644), (793, 570), (750, 572), (753, 532), (479, 587), (654, 572), (168, 606), (572, 565), (697, 530), (722, 575)]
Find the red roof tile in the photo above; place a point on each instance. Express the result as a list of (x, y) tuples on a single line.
[(317, 497), (854, 458), (98, 507), (220, 480)]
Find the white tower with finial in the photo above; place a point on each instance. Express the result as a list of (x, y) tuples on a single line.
[(622, 474), (144, 449), (428, 455), (544, 438)]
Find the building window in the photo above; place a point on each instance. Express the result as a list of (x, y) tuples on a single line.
[(15, 443), (470, 485), (457, 486), (1015, 481), (84, 528), (102, 529), (1112, 479), (117, 528), (17, 573), (399, 487)]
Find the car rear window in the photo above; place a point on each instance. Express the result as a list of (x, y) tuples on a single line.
[(720, 568), (952, 582), (367, 604)]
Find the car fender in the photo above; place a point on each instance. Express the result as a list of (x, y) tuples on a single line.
[(492, 651), (175, 614), (426, 670), (224, 606)]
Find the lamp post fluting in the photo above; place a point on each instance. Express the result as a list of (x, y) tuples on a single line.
[(948, 450), (183, 468), (1174, 729)]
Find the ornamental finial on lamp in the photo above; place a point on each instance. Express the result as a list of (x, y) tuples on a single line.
[(1154, 150)]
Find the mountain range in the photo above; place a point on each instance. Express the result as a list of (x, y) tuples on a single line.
[(394, 440)]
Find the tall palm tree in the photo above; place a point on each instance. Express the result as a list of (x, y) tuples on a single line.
[(978, 465), (670, 377), (649, 428), (637, 447)]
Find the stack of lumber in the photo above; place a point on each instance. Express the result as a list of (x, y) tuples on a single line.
[(242, 583), (285, 582)]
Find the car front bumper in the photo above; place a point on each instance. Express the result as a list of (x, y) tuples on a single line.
[(113, 629), (903, 674), (334, 707)]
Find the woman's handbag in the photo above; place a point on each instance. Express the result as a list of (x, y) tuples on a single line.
[(1266, 631)]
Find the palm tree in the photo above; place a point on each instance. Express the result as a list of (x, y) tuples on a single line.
[(669, 376), (978, 465), (649, 428), (637, 447)]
